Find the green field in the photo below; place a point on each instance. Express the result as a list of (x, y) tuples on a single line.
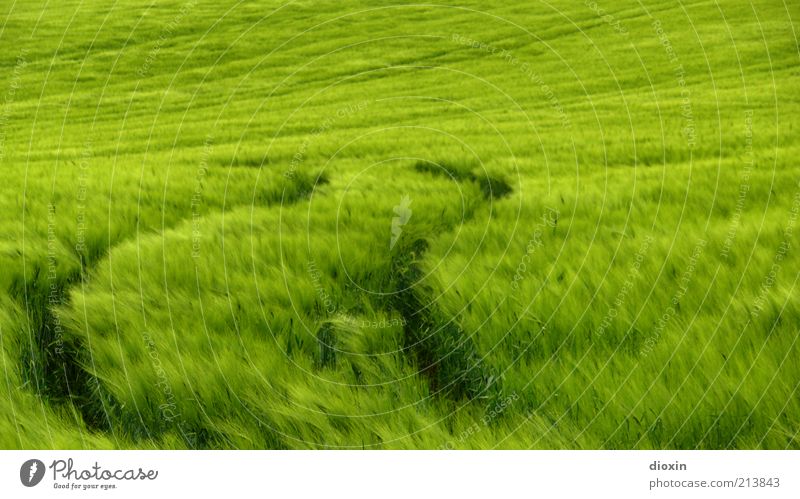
[(382, 225)]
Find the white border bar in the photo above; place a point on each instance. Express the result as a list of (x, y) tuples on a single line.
[(409, 474)]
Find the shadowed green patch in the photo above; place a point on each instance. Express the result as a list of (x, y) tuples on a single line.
[(492, 187), (443, 351), (54, 363)]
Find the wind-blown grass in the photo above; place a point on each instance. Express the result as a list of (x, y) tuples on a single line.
[(399, 226)]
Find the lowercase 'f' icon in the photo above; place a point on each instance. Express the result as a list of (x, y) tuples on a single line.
[(403, 212), (31, 472)]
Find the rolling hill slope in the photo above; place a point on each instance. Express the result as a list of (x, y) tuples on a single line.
[(383, 225)]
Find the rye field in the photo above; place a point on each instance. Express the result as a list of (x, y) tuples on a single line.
[(382, 225)]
